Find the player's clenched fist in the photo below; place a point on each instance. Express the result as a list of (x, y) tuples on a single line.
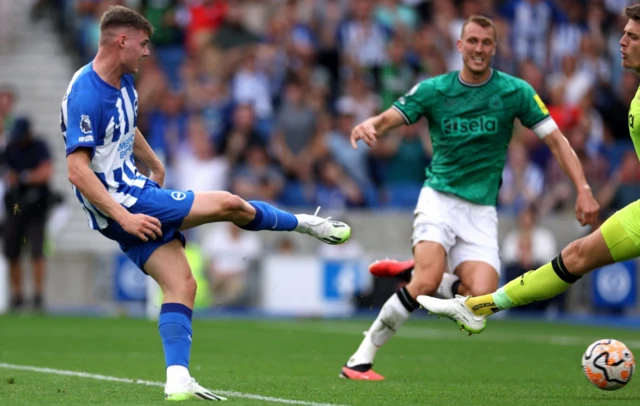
[(587, 208), (364, 131), (142, 226)]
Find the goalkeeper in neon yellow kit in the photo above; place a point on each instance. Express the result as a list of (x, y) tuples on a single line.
[(618, 239)]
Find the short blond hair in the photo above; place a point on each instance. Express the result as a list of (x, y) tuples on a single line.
[(482, 21)]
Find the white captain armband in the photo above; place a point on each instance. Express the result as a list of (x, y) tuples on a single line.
[(544, 127)]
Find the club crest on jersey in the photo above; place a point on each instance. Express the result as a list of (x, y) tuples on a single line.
[(85, 124), (495, 103), (178, 196)]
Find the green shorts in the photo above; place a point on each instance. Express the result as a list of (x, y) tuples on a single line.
[(621, 232)]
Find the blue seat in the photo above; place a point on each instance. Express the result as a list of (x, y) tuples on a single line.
[(293, 196), (371, 199), (403, 196)]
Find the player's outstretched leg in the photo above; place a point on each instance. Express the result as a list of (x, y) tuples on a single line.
[(209, 207), (611, 243), (393, 314), (169, 267), (430, 260), (403, 270)]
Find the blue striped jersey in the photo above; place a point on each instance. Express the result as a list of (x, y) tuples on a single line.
[(101, 118)]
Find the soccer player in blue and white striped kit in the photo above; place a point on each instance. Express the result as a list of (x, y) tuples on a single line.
[(98, 121)]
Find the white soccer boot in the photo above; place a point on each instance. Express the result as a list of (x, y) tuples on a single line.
[(190, 391), (456, 310), (330, 232)]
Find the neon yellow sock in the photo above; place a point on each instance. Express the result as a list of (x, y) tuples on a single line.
[(545, 282)]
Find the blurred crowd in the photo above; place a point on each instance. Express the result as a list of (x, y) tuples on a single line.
[(259, 97)]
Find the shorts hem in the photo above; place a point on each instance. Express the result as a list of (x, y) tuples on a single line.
[(457, 263)]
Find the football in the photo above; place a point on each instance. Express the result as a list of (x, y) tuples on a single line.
[(608, 364)]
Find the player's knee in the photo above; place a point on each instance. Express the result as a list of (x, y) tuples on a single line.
[(183, 288), (575, 256), (232, 203), (190, 286), (423, 285)]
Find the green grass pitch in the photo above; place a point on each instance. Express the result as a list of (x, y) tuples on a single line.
[(429, 362)]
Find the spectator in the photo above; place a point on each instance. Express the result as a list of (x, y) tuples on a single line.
[(203, 18), (251, 85), (27, 201), (406, 153), (560, 193), (168, 38), (568, 35), (231, 252), (338, 146), (239, 56), (531, 22), (527, 247), (336, 190), (167, 125), (362, 40), (576, 82), (242, 132), (523, 181), (257, 178), (198, 166), (232, 32), (396, 16), (623, 187), (295, 130), (396, 76)]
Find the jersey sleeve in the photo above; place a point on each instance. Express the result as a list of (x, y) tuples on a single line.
[(83, 117), (533, 113), (416, 102)]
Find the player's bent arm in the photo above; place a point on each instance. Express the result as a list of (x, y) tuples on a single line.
[(387, 120), (372, 128), (567, 158), (86, 181), (143, 152)]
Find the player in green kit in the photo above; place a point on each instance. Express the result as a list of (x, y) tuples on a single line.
[(471, 118), (618, 239)]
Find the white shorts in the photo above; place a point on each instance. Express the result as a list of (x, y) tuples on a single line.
[(467, 231)]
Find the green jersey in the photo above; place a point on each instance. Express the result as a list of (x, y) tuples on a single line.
[(471, 127)]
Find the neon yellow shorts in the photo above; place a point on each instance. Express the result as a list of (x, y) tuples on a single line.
[(621, 232)]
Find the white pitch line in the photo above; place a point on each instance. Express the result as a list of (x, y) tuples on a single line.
[(152, 383)]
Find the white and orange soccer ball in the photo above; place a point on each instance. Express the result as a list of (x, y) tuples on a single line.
[(608, 364)]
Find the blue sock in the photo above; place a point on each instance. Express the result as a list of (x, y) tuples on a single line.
[(175, 331), (270, 218)]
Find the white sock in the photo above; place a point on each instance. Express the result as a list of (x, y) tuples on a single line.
[(446, 286), (177, 376), (302, 223), (392, 315)]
